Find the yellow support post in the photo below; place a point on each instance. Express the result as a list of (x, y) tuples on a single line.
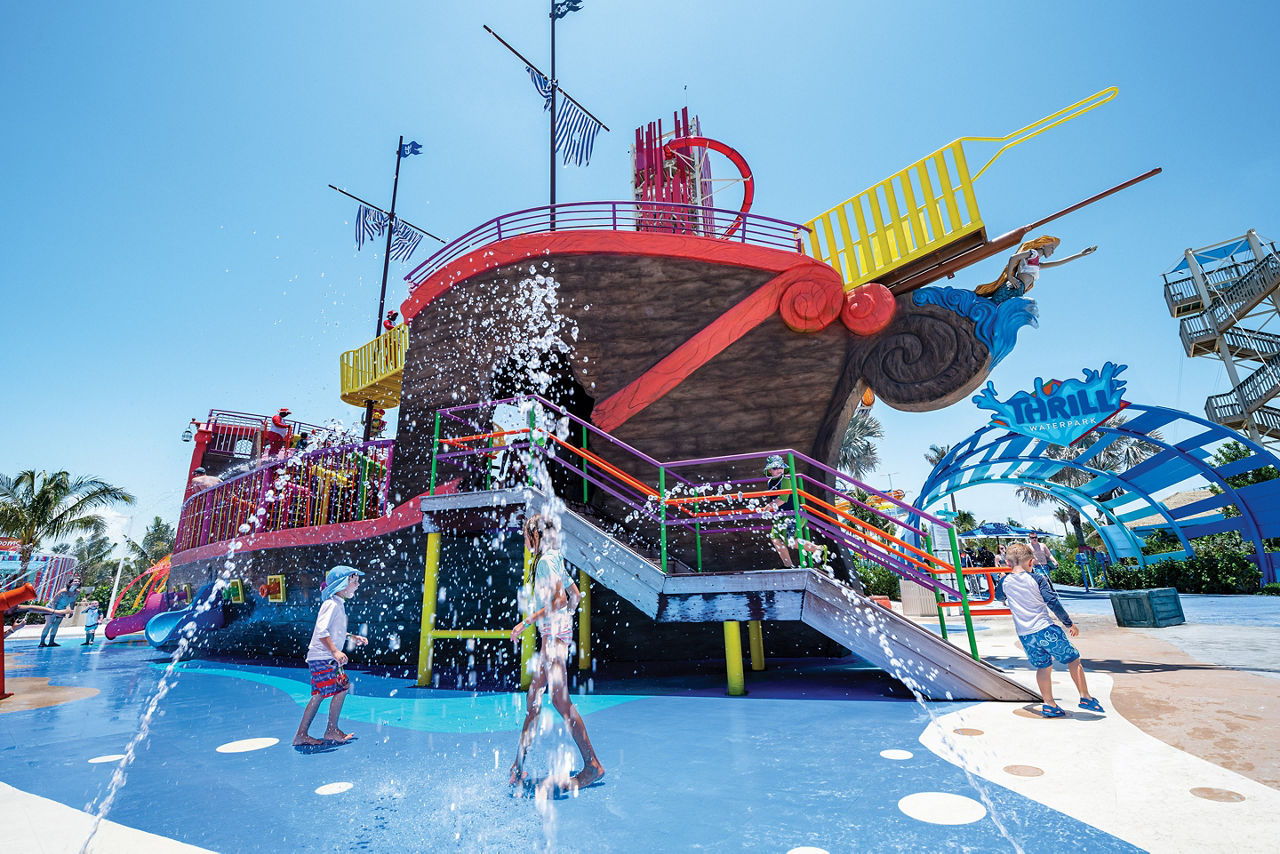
[(733, 658), (430, 576), (755, 637), (527, 640), (584, 621)]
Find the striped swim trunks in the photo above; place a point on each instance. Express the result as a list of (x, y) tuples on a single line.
[(327, 678)]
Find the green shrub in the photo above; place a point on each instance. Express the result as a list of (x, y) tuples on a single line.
[(876, 580), (1272, 589), (1067, 574)]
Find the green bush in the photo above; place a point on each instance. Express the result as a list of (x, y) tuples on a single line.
[(1067, 574), (876, 580), (1272, 589)]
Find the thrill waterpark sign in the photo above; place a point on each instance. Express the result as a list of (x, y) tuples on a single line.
[(1057, 411)]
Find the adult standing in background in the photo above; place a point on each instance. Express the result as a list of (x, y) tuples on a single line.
[(1042, 558), (62, 605)]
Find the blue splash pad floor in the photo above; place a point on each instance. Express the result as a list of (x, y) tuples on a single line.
[(796, 763)]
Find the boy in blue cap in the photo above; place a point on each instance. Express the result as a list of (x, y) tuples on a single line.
[(325, 657)]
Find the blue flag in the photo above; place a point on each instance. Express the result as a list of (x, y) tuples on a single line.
[(564, 7), (410, 148)]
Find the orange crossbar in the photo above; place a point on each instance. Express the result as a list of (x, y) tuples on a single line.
[(934, 558), (458, 440), (866, 537), (765, 493), (616, 472)]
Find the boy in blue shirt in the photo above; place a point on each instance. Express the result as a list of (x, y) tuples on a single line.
[(1030, 599)]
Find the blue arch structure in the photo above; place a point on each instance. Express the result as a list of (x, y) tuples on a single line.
[(993, 455)]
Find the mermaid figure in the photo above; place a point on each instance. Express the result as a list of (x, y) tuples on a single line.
[(1023, 269)]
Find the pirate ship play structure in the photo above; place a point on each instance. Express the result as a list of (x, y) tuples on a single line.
[(656, 350)]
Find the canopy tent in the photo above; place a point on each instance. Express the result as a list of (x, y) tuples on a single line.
[(1221, 252), (1001, 531)]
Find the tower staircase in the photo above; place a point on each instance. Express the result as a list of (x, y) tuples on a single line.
[(1225, 296)]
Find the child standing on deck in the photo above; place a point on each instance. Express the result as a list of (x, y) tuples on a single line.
[(1030, 600), (91, 616), (325, 657)]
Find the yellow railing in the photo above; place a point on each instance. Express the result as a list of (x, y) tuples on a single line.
[(373, 371), (926, 205), (918, 210)]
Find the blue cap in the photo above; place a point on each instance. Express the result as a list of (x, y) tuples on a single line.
[(336, 579), (774, 462)]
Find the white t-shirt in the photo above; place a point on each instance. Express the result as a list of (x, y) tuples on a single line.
[(1030, 266), (331, 623)]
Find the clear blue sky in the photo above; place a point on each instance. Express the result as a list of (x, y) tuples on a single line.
[(170, 244)]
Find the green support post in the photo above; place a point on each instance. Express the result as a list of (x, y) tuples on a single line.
[(584, 465), (964, 591), (697, 535), (795, 504), (662, 517), (435, 448), (533, 428), (937, 597)]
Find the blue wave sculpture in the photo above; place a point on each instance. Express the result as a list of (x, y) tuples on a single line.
[(996, 325)]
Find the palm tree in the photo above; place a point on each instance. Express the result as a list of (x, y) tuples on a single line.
[(935, 455), (157, 543), (93, 558), (858, 455), (35, 506), (965, 521), (1122, 452), (1063, 514)]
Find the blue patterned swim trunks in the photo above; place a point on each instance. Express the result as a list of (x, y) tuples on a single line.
[(1047, 644)]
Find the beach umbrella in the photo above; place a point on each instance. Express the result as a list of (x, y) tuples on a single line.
[(998, 530)]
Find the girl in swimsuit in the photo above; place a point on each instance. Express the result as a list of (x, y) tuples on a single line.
[(555, 596)]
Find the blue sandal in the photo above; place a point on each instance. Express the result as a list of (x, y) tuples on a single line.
[(1052, 711), (1092, 705)]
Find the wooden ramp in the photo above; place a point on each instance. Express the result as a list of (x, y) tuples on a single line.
[(915, 656)]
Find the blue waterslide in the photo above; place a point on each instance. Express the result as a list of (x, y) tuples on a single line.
[(165, 630)]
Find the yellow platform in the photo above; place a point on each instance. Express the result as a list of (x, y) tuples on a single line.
[(373, 372)]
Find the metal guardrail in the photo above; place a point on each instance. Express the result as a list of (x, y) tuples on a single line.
[(322, 487), (373, 371), (660, 217), (690, 500), (234, 433)]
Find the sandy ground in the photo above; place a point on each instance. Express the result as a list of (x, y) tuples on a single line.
[(1223, 715)]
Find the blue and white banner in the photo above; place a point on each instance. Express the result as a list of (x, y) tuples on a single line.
[(575, 130), (404, 239), (371, 223)]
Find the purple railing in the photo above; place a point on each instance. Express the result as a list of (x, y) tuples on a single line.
[(662, 217), (691, 497), (321, 487), (234, 433)]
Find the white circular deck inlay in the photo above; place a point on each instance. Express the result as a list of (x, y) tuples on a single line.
[(110, 757), (333, 788), (942, 808), (894, 753), (247, 744)]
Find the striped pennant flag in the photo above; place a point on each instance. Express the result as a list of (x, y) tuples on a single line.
[(575, 130), (370, 223), (404, 239)]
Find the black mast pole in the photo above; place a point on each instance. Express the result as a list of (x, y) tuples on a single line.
[(382, 296), (553, 115)]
